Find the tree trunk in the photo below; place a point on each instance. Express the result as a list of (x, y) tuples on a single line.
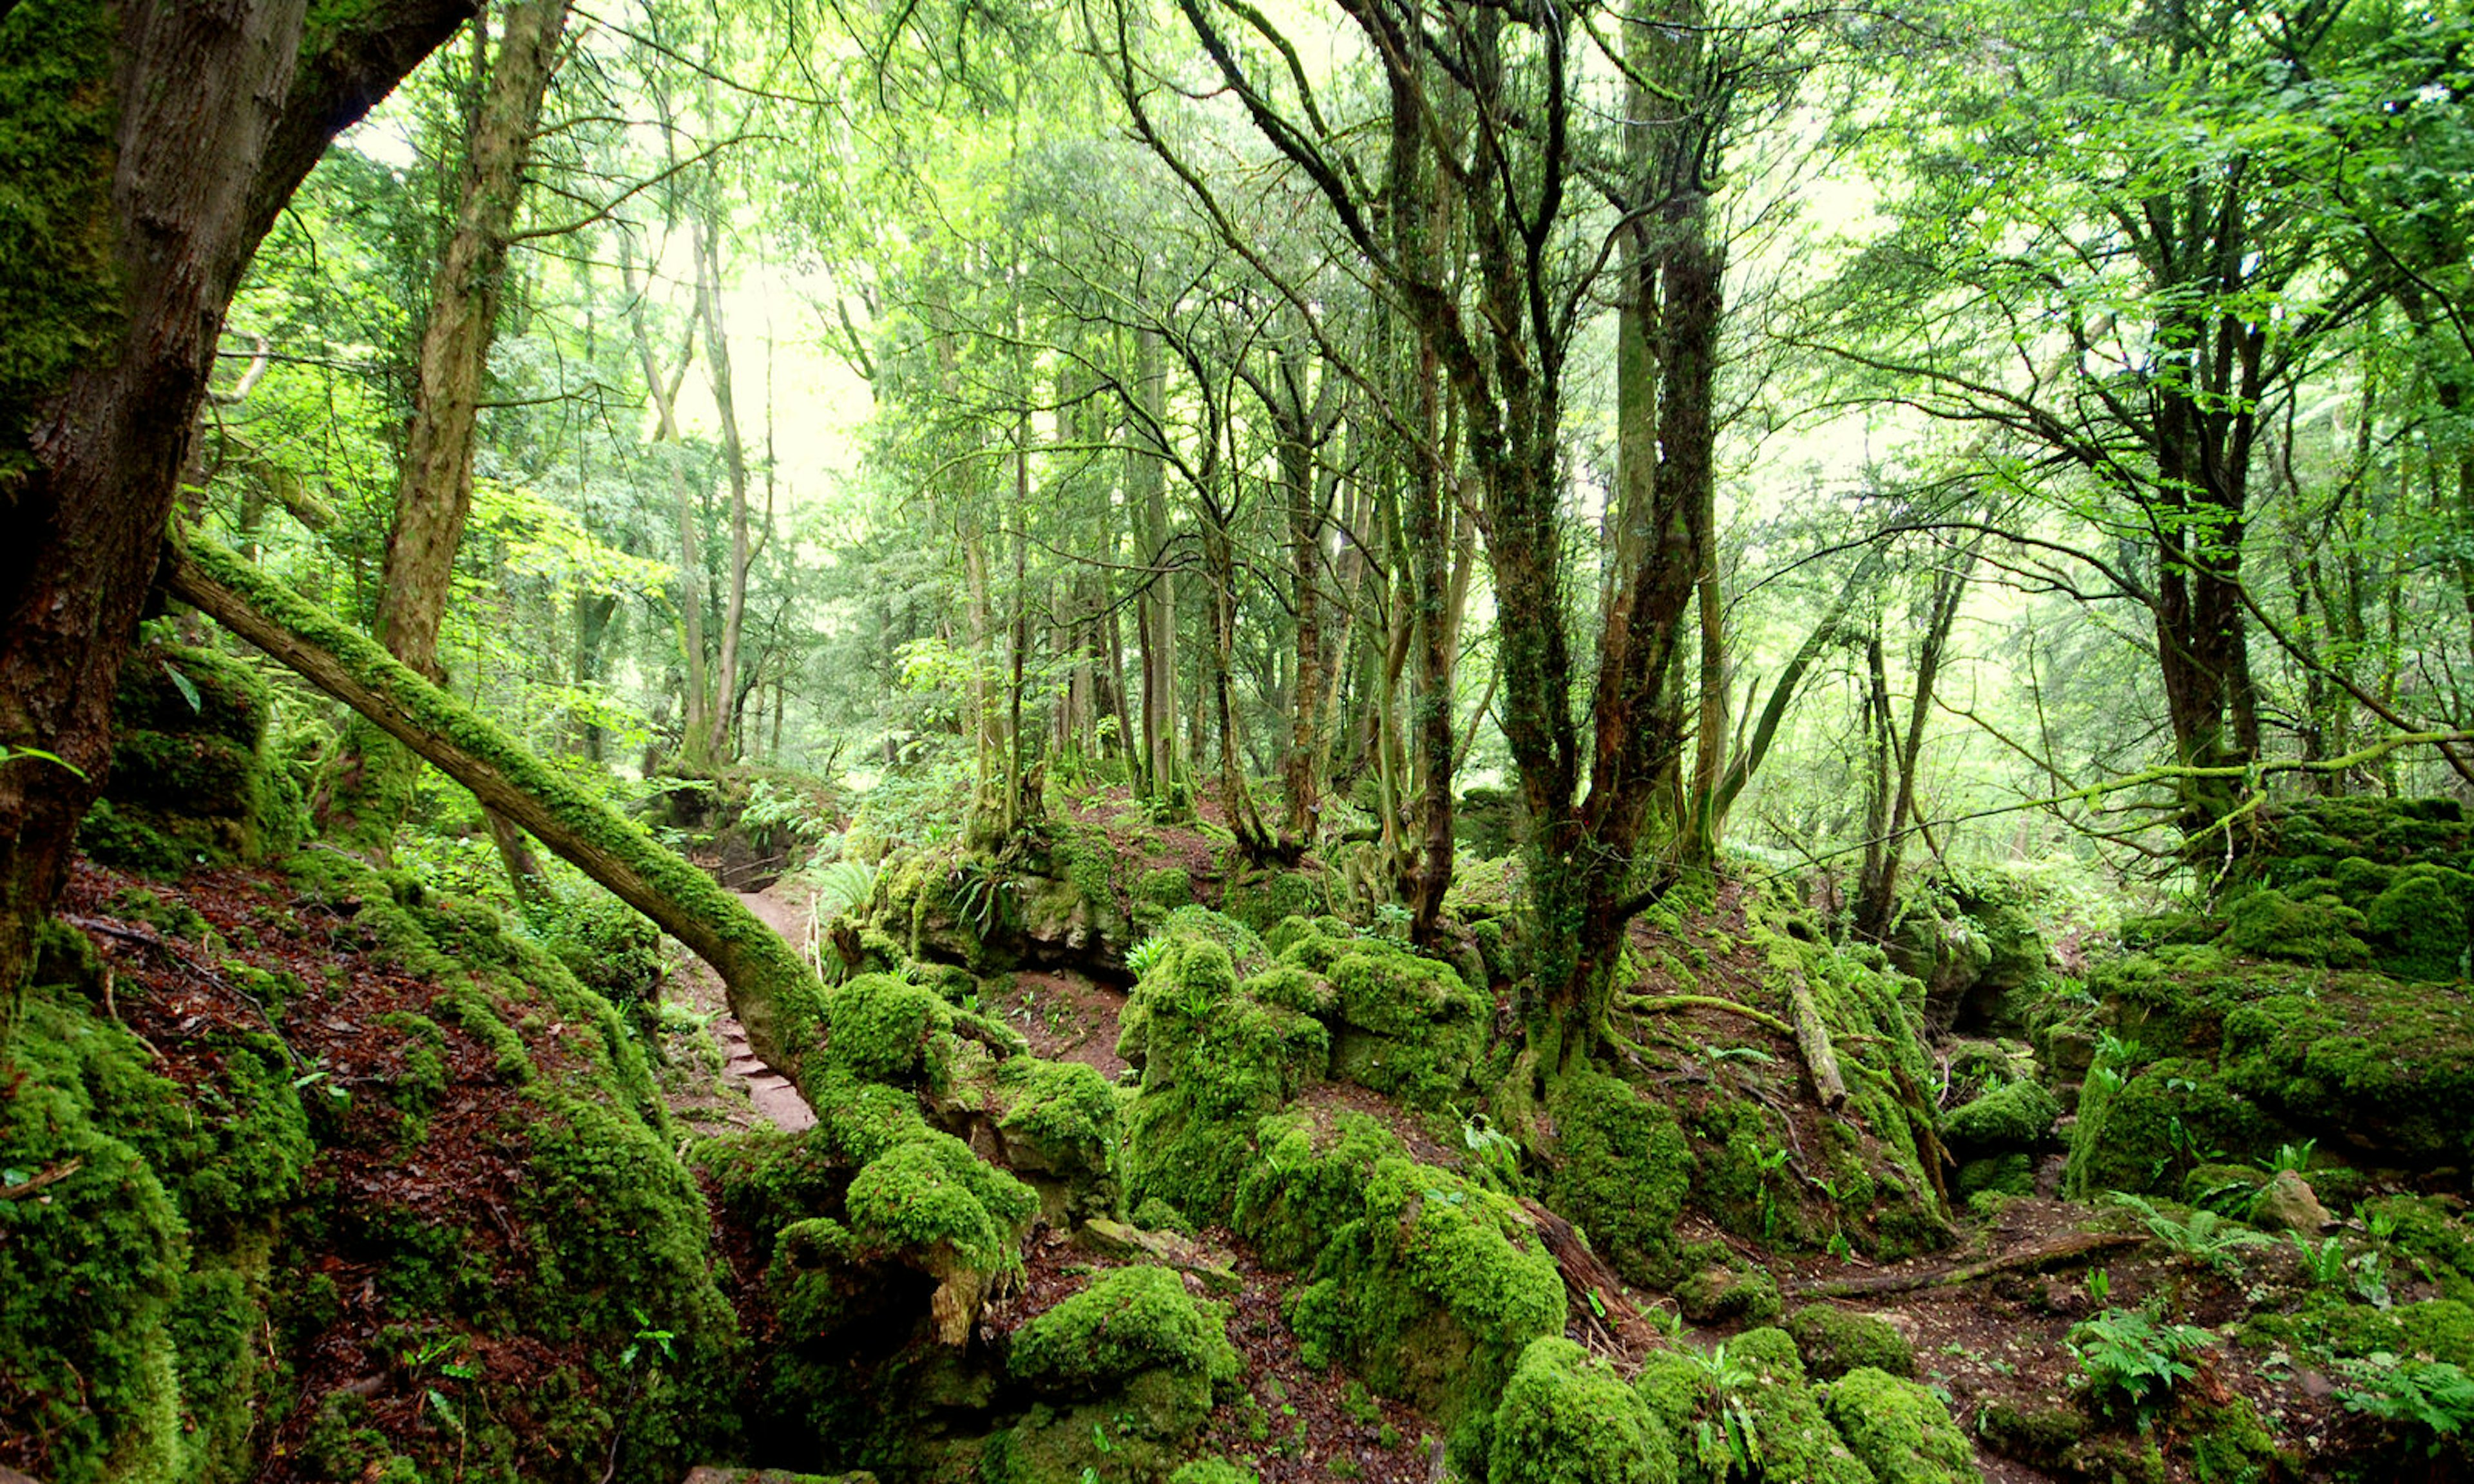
[(214, 115), (771, 990), (706, 753), (367, 791)]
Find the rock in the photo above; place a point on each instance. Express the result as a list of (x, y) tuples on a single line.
[(2287, 1204), (1115, 1240)]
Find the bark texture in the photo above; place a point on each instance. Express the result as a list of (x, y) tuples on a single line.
[(222, 110)]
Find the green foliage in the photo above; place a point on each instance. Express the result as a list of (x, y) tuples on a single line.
[(2131, 1361), (2204, 1239), (2431, 1401)]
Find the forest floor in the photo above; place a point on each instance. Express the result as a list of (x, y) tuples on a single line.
[(1997, 1339)]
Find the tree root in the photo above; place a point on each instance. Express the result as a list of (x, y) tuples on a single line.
[(1658, 1004), (2063, 1252)]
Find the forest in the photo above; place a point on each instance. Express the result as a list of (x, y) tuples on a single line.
[(1236, 741)]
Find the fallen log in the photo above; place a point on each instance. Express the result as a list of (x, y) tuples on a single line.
[(775, 995), (2063, 1252)]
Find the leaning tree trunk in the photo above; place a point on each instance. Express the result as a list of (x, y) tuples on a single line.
[(774, 994), (190, 127)]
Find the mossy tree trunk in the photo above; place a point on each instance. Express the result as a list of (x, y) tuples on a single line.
[(774, 994), (369, 789), (176, 134)]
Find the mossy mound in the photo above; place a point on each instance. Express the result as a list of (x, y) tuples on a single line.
[(1261, 898), (2384, 883), (1403, 1025), (1624, 1172), (1429, 1287), (2017, 1116), (173, 1296), (1567, 1418), (1125, 1372), (1834, 1340), (190, 783), (1215, 1059), (1902, 1433)]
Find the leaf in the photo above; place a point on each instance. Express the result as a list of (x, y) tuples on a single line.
[(188, 688)]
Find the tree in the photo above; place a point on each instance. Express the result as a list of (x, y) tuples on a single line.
[(368, 790), (171, 135)]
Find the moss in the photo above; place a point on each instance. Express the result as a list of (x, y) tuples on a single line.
[(1721, 1292), (2440, 1240), (2227, 1444), (1164, 889), (2388, 1061), (1131, 1320), (1212, 1470), (1295, 1195), (2043, 1437), (2317, 931), (2149, 1132), (1060, 1127), (1797, 1441), (931, 1194), (1623, 1171), (2017, 1115), (1834, 1340), (1567, 1418), (1214, 1060), (1246, 952), (1261, 898), (1901, 1431), (1157, 1216), (884, 1030), (1431, 1293), (2002, 1174), (1403, 1025), (60, 301), (2420, 923)]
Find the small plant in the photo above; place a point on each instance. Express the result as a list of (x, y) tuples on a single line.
[(1391, 922), (2289, 1157), (1728, 1442), (2100, 1286), (2370, 1274), (2325, 1262), (2205, 1241), (983, 896), (2130, 1359), (2429, 1397), (841, 886), (1143, 957)]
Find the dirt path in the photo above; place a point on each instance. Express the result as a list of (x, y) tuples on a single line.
[(741, 1092)]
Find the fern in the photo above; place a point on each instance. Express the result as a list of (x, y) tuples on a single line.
[(841, 886), (2205, 1241)]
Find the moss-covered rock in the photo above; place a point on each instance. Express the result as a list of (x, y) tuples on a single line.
[(1214, 1060), (1125, 1372), (1623, 1172), (1567, 1418), (2367, 1057), (1901, 1431), (1796, 1438), (2146, 1132), (190, 781), (1261, 898), (1131, 1320), (2319, 930), (2015, 1117), (1834, 1340), (1430, 1290), (1719, 1292)]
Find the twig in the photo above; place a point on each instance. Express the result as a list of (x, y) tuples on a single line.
[(50, 1177)]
